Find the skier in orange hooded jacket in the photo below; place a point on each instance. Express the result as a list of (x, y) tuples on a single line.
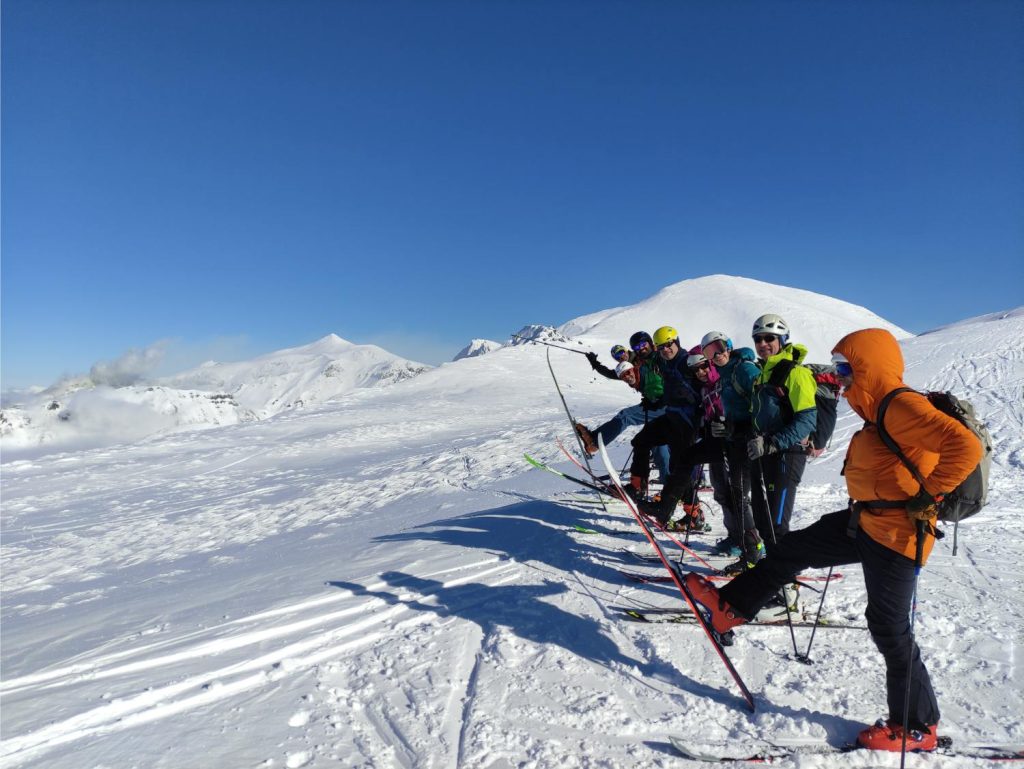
[(879, 529)]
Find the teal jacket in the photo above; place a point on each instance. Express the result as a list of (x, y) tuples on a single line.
[(786, 416), (737, 379)]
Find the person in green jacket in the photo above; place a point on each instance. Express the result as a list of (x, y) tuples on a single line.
[(651, 406), (783, 416)]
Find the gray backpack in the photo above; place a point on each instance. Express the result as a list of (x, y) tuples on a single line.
[(972, 494)]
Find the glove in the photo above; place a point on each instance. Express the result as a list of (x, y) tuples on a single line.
[(592, 357), (923, 506), (759, 447), (718, 430)]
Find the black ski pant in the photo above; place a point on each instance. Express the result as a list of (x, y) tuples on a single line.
[(890, 579), (672, 430), (774, 479), (738, 467), (727, 459)]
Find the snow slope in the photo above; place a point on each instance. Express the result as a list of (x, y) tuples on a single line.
[(382, 581)]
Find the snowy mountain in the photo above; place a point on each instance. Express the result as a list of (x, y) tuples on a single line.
[(77, 413), (381, 580), (730, 304), (477, 347)]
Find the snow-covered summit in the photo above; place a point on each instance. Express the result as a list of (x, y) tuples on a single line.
[(80, 413), (730, 304), (298, 376), (476, 348)]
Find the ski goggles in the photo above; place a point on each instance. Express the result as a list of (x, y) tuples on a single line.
[(642, 346), (715, 348), (843, 367), (765, 338), (620, 353)]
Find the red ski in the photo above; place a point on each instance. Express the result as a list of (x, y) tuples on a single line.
[(677, 578)]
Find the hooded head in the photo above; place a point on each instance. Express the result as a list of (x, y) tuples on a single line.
[(877, 363)]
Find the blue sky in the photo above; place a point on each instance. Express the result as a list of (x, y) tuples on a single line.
[(238, 177)]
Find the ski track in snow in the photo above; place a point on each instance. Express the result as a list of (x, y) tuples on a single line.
[(300, 592)]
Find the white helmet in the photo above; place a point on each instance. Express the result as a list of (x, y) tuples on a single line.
[(695, 360), (622, 368), (772, 324), (716, 336)]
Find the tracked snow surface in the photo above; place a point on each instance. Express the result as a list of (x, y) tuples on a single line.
[(382, 581)]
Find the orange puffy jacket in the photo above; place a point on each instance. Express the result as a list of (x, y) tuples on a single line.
[(942, 449)]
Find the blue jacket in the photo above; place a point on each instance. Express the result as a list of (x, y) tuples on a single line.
[(682, 395), (737, 381), (785, 418)]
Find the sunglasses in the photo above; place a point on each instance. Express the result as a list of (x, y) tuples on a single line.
[(666, 345), (844, 369), (764, 338), (703, 366)]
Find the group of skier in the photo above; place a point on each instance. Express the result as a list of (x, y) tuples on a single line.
[(754, 414), (720, 406)]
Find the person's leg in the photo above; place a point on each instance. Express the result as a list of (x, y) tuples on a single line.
[(890, 580), (759, 498), (723, 496), (662, 461), (627, 417), (739, 471), (775, 494), (822, 544), (654, 433)]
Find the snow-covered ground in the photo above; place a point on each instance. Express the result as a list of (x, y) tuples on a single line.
[(382, 581)]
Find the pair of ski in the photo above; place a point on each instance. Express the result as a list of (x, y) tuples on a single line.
[(636, 577), (618, 495), (677, 577), (674, 616), (767, 753)]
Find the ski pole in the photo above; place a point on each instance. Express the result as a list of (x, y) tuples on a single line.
[(572, 421), (549, 344), (918, 558), (771, 529), (817, 617)]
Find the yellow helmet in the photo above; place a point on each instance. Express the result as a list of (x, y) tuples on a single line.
[(664, 335)]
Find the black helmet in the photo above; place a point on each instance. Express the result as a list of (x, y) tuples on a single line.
[(639, 339)]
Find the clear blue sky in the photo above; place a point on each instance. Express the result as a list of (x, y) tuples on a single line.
[(241, 176)]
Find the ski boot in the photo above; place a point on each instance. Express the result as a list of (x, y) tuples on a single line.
[(636, 490), (720, 615), (753, 551), (888, 735), (588, 439), (661, 508), (727, 547)]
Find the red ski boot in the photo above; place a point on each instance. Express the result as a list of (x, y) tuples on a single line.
[(888, 735), (722, 616)]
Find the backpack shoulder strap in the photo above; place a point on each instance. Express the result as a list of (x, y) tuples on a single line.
[(888, 439), (780, 373)]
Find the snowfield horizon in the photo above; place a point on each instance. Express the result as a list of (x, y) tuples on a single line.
[(380, 580)]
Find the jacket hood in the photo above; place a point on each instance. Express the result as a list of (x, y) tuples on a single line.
[(877, 363)]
